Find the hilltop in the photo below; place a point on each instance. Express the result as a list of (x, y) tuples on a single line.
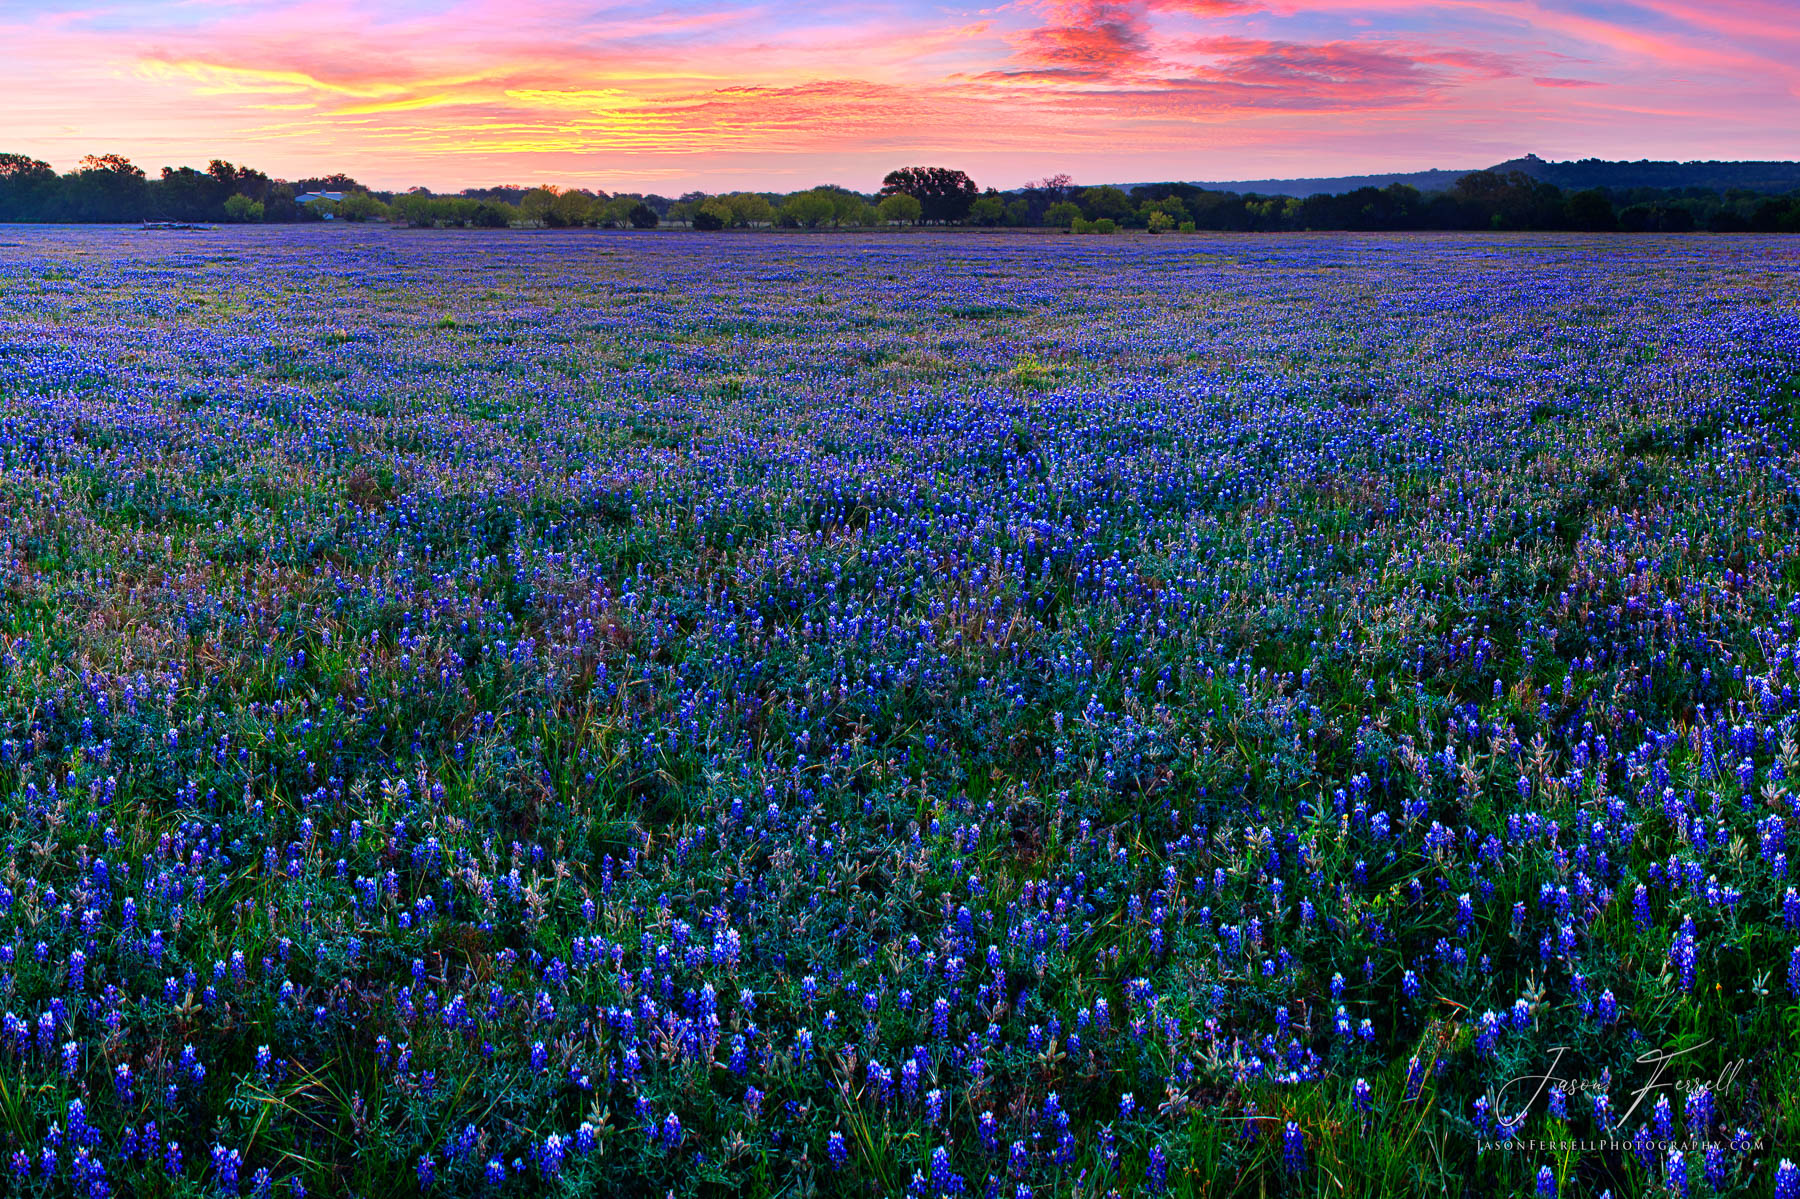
[(1773, 177)]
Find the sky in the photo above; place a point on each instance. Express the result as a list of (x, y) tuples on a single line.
[(718, 95)]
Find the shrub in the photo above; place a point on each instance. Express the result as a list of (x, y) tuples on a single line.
[(242, 208), (361, 206)]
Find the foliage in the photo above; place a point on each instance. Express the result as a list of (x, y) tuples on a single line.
[(1063, 214), (945, 195), (900, 208), (242, 208), (809, 209)]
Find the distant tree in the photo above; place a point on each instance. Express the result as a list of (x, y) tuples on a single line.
[(278, 203), (242, 208), (1063, 214), (711, 216), (616, 212), (112, 164), (809, 209), (1054, 187), (537, 204), (944, 195), (900, 208), (1775, 215), (846, 205), (1098, 202), (749, 208), (23, 166), (28, 188), (1159, 221), (492, 214), (184, 194), (1592, 209), (420, 210), (989, 209), (1508, 200), (1171, 206), (361, 206), (338, 182), (570, 209), (1656, 218), (106, 187), (642, 216)]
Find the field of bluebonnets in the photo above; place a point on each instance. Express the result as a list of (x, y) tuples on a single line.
[(569, 714)]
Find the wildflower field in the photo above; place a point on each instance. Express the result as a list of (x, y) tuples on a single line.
[(510, 714)]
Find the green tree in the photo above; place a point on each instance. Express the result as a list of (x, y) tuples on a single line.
[(642, 216), (1097, 202), (1592, 209), (361, 206), (106, 187), (846, 206), (241, 208), (900, 208), (537, 204), (616, 212), (809, 209), (1171, 206), (749, 208), (571, 208), (944, 194), (988, 210), (711, 216), (420, 210), (28, 188), (1062, 215)]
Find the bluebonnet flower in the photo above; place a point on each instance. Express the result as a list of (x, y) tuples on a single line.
[(1787, 1180), (1293, 1148), (1156, 1173), (1676, 1174)]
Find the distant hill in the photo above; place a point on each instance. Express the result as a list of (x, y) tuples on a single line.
[(1425, 181), (1774, 177)]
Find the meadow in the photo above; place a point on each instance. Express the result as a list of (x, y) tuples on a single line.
[(929, 716)]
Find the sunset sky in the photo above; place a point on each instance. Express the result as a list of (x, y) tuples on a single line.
[(718, 95)]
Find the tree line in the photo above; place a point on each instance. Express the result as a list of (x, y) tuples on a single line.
[(110, 188)]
